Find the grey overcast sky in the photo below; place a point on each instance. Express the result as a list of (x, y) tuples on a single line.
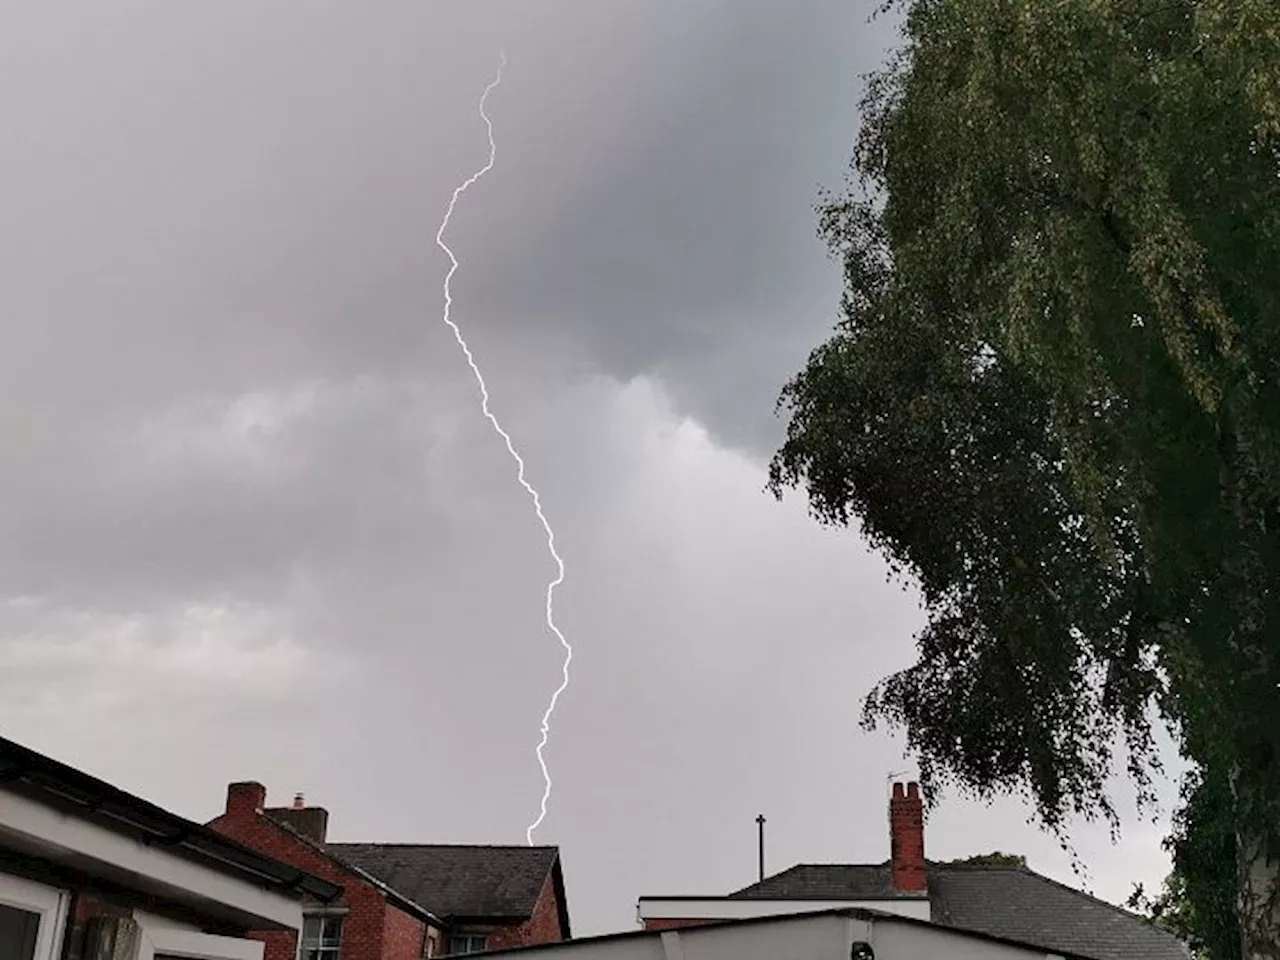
[(253, 526)]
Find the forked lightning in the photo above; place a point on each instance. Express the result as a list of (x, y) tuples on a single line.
[(533, 494)]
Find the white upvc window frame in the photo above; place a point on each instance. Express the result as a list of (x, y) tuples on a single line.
[(159, 938), (322, 913), (49, 903)]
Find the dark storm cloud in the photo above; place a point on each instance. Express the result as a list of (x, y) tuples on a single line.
[(682, 239), (273, 180), (233, 201)]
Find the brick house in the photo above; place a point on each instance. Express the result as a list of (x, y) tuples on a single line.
[(401, 901), (88, 871), (1002, 901), (489, 897)]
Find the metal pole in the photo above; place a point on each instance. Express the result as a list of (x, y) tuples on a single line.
[(760, 826)]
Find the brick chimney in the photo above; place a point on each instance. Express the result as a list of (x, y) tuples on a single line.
[(310, 822), (245, 799), (906, 839)]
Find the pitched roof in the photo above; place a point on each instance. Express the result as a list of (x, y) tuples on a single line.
[(1020, 904), (1013, 903), (402, 901), (459, 881)]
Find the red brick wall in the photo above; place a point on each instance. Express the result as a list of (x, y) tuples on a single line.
[(402, 936), (674, 923), (279, 944), (543, 926), (369, 929)]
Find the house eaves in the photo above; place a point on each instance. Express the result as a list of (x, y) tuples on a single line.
[(74, 793)]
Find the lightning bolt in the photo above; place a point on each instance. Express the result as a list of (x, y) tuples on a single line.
[(511, 449)]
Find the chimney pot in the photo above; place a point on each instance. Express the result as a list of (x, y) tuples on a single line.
[(897, 791), (299, 803)]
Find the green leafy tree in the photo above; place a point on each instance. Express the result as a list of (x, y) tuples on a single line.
[(1172, 910), (1053, 399), (994, 859), (1197, 900)]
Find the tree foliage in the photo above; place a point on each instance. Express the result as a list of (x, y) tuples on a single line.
[(993, 859), (1197, 899), (1052, 400)]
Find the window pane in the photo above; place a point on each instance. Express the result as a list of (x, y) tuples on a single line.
[(461, 943), (321, 937), (18, 929), (321, 931), (331, 932)]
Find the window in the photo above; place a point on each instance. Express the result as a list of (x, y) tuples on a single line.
[(321, 937), (31, 919), (466, 943)]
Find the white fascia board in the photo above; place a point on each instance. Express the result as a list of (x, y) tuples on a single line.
[(53, 831), (720, 908)]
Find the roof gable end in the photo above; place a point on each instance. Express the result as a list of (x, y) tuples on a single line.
[(460, 881)]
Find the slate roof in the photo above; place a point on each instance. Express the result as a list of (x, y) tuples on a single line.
[(461, 882), (1014, 903), (1021, 904), (395, 896), (827, 881)]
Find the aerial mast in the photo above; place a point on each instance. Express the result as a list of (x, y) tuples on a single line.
[(760, 833)]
